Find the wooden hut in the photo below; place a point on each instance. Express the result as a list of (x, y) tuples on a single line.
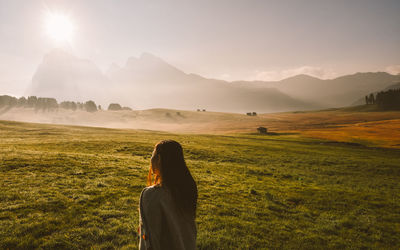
[(262, 130)]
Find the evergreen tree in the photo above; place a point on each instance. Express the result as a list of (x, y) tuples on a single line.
[(388, 100)]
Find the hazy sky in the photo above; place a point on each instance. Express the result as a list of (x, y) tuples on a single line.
[(227, 39)]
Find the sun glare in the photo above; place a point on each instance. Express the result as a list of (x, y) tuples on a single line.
[(59, 27)]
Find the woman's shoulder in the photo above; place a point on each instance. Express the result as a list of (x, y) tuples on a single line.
[(151, 189), (152, 192)]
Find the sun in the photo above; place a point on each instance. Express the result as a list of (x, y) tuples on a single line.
[(59, 27)]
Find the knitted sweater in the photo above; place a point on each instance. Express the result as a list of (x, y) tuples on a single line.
[(161, 224)]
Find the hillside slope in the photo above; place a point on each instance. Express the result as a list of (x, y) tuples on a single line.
[(375, 128), (338, 92), (361, 100)]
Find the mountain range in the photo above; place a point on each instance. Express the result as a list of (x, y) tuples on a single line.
[(150, 82)]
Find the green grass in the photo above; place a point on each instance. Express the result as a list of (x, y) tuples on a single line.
[(78, 187)]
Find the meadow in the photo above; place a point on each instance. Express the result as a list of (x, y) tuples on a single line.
[(72, 187), (352, 124)]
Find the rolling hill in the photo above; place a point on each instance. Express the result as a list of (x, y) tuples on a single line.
[(338, 92)]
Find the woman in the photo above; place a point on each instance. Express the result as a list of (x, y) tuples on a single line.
[(167, 206)]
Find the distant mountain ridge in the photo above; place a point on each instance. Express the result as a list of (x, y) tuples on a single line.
[(337, 92), (66, 77), (361, 100), (150, 82)]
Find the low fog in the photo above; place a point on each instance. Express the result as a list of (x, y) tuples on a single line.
[(152, 119)]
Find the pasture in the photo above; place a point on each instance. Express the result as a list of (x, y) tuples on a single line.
[(354, 125), (71, 187)]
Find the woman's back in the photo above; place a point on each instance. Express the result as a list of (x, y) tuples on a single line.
[(163, 226)]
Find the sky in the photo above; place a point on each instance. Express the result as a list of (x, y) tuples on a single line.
[(223, 39)]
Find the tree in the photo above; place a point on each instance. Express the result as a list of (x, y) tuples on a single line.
[(22, 102), (6, 100), (388, 100), (371, 98), (51, 104), (79, 105), (114, 107), (46, 104), (32, 100), (68, 105), (90, 106)]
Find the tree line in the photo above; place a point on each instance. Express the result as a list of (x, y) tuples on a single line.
[(385, 100), (51, 104), (40, 103)]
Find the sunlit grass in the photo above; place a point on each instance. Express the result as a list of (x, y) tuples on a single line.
[(78, 187), (378, 133)]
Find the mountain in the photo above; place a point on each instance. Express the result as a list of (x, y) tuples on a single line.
[(338, 92), (66, 77), (347, 88), (150, 82)]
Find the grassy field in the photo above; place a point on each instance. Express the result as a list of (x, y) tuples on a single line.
[(78, 187), (353, 124), (385, 133)]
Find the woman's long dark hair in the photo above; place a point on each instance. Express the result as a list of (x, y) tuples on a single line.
[(174, 175)]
